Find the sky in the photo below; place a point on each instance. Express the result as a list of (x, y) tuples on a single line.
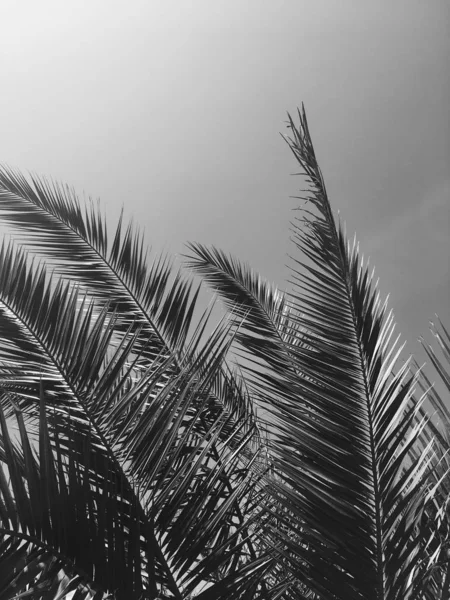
[(174, 108)]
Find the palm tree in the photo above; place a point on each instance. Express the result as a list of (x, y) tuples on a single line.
[(141, 458)]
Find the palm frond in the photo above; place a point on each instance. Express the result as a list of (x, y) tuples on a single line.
[(342, 447), (261, 314), (51, 221)]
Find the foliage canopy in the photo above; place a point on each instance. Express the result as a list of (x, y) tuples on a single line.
[(286, 455)]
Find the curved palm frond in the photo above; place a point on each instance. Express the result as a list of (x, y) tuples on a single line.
[(50, 220), (262, 316), (148, 304), (64, 344)]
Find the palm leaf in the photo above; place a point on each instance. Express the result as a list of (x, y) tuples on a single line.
[(51, 220), (155, 300), (265, 331), (359, 504)]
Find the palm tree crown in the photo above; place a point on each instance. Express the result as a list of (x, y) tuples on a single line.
[(286, 455)]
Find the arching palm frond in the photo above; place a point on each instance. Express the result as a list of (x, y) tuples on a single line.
[(262, 315), (50, 220), (63, 345)]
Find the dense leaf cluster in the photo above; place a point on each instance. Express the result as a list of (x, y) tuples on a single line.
[(286, 455)]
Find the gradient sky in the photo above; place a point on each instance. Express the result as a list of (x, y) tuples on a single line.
[(174, 108)]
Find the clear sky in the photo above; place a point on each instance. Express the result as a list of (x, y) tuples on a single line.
[(174, 108)]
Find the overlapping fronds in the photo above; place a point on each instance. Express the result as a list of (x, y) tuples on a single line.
[(343, 418), (158, 425), (150, 297), (136, 463), (55, 501), (132, 491)]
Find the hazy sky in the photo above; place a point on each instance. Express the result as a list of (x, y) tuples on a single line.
[(175, 107)]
